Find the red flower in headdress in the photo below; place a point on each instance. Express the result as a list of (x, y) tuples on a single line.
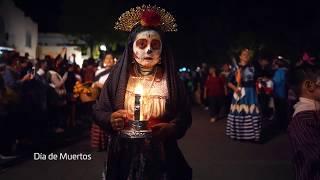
[(306, 58), (150, 18)]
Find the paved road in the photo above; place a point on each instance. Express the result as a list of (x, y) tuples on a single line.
[(213, 156), (210, 153)]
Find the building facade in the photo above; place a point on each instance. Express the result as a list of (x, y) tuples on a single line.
[(52, 44)]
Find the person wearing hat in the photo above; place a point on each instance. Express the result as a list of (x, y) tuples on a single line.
[(280, 92)]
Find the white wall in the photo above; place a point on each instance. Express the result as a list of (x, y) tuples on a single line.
[(52, 44), (17, 25), (54, 51)]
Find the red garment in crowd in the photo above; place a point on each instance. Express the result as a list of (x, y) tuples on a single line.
[(215, 86), (89, 74), (264, 86), (98, 137)]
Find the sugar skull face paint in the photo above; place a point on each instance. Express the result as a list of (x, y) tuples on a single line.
[(147, 48)]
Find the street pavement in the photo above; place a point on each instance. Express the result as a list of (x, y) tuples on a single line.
[(211, 154)]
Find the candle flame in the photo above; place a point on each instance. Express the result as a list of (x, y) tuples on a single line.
[(138, 89)]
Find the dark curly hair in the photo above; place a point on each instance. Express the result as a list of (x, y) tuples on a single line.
[(302, 73)]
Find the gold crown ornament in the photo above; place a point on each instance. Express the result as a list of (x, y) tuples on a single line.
[(147, 16)]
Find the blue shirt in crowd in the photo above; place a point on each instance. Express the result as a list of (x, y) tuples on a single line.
[(279, 80)]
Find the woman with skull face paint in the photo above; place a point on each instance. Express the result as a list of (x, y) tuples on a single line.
[(146, 61)]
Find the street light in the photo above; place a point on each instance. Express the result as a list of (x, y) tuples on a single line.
[(103, 47)]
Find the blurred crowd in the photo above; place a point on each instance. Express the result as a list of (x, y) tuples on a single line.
[(207, 86), (262, 97), (45, 97), (39, 98)]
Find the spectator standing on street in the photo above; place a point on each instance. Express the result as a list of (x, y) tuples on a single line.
[(58, 97), (226, 71), (98, 135), (214, 92), (281, 93)]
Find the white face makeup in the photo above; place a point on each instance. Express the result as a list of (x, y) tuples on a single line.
[(147, 48)]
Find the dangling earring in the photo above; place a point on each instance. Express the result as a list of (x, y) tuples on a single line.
[(159, 61), (133, 61)]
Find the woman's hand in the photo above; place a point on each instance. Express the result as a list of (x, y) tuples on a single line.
[(118, 119), (97, 85), (26, 77), (238, 91), (94, 85), (163, 131)]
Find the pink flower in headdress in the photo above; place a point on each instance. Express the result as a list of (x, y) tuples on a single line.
[(307, 59), (150, 18)]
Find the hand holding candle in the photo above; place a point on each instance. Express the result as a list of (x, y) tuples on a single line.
[(118, 119)]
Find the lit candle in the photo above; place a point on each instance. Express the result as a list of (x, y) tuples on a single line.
[(137, 103)]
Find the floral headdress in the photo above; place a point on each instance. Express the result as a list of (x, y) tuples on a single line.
[(307, 58), (147, 16)]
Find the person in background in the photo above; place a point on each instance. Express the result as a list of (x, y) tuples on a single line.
[(98, 135), (38, 107), (102, 74), (186, 78), (77, 72), (304, 129), (8, 101), (203, 74), (244, 119), (58, 63), (214, 92), (292, 100), (14, 84), (41, 77), (71, 101), (89, 71), (11, 75), (264, 86), (263, 67), (226, 70), (5, 139), (88, 77), (58, 96), (70, 80), (280, 93), (25, 67)]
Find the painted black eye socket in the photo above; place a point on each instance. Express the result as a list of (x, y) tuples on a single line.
[(142, 43), (155, 44)]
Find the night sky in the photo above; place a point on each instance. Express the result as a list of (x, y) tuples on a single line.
[(207, 31)]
